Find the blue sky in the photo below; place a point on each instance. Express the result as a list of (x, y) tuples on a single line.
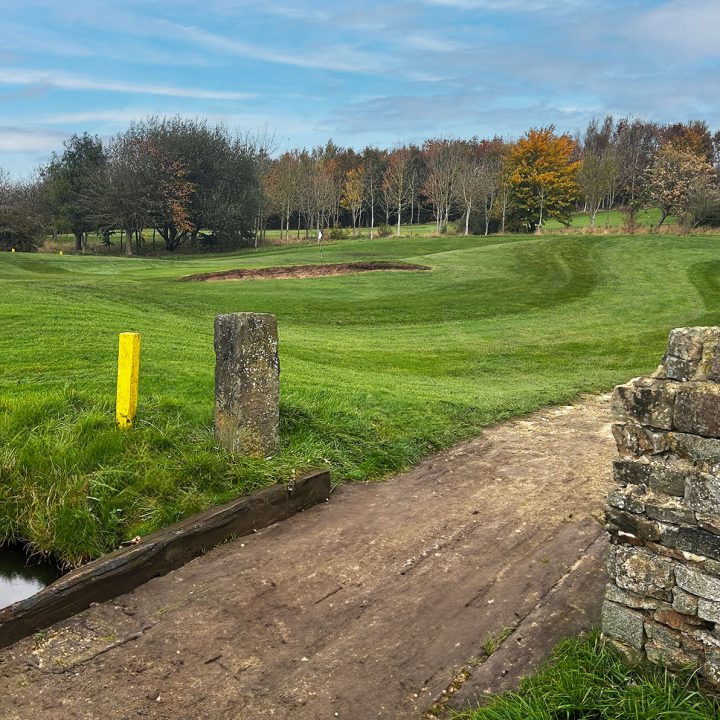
[(357, 72)]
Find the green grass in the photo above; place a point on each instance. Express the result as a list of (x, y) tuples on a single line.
[(614, 219), (65, 242), (587, 679), (378, 369)]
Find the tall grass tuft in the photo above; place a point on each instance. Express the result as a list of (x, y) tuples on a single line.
[(587, 679)]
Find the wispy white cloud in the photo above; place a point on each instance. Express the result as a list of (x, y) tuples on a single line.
[(120, 115), (432, 43), (504, 5), (688, 26), (29, 42), (341, 58), (23, 140), (17, 76)]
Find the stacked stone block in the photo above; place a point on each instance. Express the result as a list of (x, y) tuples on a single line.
[(663, 601)]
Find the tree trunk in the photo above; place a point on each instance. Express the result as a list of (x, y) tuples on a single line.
[(128, 242), (78, 241), (467, 221)]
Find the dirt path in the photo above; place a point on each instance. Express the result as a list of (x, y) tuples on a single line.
[(365, 607)]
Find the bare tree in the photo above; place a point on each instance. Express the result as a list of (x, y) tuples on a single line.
[(283, 188), (479, 175), (637, 142), (417, 173), (396, 181), (442, 158), (23, 220), (599, 172), (468, 185), (374, 162), (120, 194)]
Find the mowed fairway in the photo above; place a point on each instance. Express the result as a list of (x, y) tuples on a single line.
[(378, 369)]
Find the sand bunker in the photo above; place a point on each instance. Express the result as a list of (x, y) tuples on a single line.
[(304, 271)]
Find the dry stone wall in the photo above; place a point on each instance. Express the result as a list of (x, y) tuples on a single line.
[(663, 601)]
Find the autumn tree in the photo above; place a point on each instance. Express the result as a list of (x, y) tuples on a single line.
[(224, 170), (353, 194), (694, 136), (676, 175), (170, 194), (543, 177), (318, 191)]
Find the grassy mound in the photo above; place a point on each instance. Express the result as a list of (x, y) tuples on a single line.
[(378, 369)]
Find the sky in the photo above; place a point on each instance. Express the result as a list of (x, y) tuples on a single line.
[(361, 73)]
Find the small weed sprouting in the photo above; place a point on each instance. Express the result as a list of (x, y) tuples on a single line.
[(493, 643)]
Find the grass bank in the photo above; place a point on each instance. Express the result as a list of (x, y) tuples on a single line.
[(378, 370), (587, 678)]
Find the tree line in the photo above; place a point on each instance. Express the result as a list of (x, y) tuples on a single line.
[(191, 182)]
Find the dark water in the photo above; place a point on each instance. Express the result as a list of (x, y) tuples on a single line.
[(18, 579)]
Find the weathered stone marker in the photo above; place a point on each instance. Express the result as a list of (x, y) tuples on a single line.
[(663, 602), (247, 383)]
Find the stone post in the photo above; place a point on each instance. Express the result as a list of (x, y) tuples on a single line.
[(247, 383), (663, 601)]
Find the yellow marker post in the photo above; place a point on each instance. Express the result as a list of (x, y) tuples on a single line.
[(127, 381)]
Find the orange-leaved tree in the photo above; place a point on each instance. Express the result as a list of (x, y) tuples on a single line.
[(543, 177), (353, 194)]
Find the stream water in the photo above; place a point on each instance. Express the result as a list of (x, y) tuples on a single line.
[(20, 580)]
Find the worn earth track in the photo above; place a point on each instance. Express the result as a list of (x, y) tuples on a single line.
[(365, 607)]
